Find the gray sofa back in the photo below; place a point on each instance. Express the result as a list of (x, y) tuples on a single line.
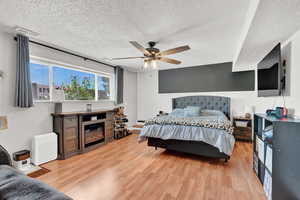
[(4, 157)]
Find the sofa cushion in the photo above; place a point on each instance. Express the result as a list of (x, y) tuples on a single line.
[(16, 186)]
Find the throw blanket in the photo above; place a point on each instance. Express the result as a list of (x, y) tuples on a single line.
[(16, 186), (206, 122)]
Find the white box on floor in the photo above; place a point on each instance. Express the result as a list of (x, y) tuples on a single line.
[(44, 148)]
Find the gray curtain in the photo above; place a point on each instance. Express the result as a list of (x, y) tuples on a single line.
[(23, 91), (119, 71)]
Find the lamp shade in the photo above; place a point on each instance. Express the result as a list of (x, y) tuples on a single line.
[(58, 95)]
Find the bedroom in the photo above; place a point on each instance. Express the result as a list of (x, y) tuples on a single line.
[(223, 44)]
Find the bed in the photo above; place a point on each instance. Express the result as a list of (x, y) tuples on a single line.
[(174, 137)]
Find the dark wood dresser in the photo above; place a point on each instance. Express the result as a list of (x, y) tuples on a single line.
[(79, 132)]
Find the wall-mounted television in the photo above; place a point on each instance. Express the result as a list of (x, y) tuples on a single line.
[(270, 76)]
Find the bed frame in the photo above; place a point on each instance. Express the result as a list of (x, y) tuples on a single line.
[(196, 147)]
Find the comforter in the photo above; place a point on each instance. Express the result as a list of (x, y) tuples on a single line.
[(213, 130)]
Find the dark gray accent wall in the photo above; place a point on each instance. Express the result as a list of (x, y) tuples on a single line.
[(206, 78)]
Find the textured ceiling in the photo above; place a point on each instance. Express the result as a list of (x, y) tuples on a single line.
[(274, 21), (102, 29), (242, 31)]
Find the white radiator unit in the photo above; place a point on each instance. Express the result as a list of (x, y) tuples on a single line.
[(44, 148)]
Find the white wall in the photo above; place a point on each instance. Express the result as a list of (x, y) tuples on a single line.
[(130, 96), (150, 101), (25, 123)]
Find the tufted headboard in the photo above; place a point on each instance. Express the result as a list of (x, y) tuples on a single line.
[(205, 102)]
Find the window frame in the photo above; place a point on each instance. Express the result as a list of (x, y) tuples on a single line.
[(51, 63)]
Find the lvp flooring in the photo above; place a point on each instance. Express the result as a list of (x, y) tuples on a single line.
[(126, 169)]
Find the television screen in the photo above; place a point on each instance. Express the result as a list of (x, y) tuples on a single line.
[(269, 74), (268, 78)]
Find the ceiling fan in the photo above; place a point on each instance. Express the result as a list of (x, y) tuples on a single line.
[(152, 54)]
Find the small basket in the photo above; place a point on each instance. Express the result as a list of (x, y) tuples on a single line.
[(241, 123)]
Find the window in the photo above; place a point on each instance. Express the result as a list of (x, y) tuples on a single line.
[(103, 87), (77, 84), (40, 81)]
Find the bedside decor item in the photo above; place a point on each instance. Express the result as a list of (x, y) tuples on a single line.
[(3, 123), (161, 113), (242, 128), (249, 110)]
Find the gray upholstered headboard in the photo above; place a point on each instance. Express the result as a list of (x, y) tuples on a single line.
[(205, 102)]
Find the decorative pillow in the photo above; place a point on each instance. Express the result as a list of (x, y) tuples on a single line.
[(192, 111), (178, 112)]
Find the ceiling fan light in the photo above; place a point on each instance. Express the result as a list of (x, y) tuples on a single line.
[(154, 64), (145, 64)]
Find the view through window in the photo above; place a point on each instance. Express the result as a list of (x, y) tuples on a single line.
[(77, 84), (103, 87), (40, 81)]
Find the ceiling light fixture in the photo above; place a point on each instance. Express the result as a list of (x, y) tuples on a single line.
[(146, 64), (154, 64), (150, 64)]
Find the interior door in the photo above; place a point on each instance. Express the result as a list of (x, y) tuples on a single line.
[(286, 161)]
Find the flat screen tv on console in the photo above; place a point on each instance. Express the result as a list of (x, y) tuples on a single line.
[(270, 74)]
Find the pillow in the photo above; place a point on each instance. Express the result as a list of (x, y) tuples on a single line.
[(211, 113), (192, 111), (178, 112)]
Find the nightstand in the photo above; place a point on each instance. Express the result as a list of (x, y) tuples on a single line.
[(242, 128)]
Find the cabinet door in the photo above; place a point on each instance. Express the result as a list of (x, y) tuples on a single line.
[(71, 141), (286, 162)]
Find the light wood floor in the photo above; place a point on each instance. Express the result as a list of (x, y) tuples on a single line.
[(125, 169)]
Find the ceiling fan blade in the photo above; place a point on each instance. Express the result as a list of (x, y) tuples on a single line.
[(169, 60), (140, 47), (173, 51), (127, 58)]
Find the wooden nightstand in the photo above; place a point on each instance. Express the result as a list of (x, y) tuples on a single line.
[(242, 132)]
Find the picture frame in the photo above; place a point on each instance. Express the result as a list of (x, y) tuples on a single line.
[(3, 123)]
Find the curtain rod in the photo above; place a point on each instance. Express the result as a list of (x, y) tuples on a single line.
[(67, 52)]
